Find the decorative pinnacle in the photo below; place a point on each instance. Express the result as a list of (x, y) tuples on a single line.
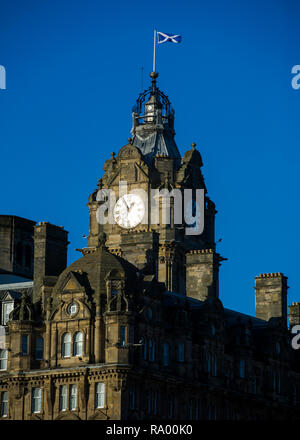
[(193, 145), (100, 183), (113, 155), (130, 140)]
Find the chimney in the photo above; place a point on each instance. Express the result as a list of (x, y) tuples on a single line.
[(294, 314), (202, 274), (50, 254), (271, 296)]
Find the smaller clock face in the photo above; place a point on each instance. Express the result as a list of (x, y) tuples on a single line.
[(129, 211)]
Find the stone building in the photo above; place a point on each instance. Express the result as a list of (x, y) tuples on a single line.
[(135, 328)]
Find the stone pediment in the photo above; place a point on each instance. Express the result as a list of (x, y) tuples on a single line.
[(73, 283)]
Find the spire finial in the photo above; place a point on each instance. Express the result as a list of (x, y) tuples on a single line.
[(193, 145), (153, 75)]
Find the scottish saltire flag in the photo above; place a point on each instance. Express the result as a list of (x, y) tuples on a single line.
[(163, 38)]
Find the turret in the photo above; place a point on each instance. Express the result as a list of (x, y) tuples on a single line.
[(153, 124)]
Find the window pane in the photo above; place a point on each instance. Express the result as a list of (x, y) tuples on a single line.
[(4, 404), (122, 335), (73, 397), (100, 395), (66, 345), (39, 349), (3, 359), (24, 344), (78, 338), (63, 398), (36, 400)]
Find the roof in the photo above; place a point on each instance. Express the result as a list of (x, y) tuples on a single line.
[(231, 316)]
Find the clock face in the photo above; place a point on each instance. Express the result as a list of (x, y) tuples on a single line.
[(129, 211), (150, 107)]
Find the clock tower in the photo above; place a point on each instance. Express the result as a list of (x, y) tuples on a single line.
[(186, 262)]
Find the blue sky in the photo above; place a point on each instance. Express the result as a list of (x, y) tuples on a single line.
[(74, 72)]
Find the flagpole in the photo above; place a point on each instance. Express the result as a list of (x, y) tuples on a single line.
[(154, 47)]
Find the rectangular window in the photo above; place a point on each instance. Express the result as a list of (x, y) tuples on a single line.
[(73, 397), (242, 368), (24, 345), (100, 395), (166, 354), (63, 392), (6, 309), (36, 400), (181, 352), (122, 336), (4, 404)]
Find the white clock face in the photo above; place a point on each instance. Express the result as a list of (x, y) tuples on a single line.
[(150, 107), (129, 211)]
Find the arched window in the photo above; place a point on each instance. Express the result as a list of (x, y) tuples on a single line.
[(78, 340), (3, 359), (39, 348), (66, 345)]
